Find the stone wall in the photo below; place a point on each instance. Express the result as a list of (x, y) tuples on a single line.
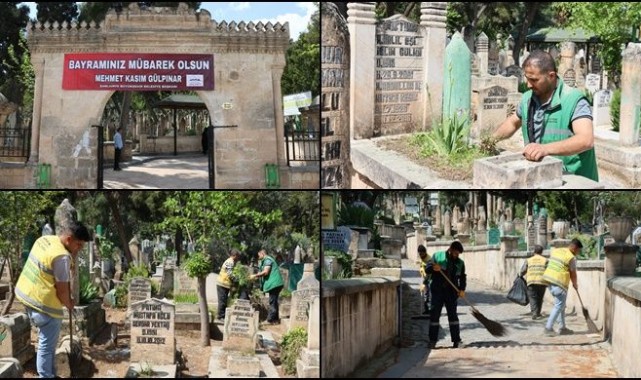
[(17, 176), (302, 177), (625, 310), (351, 311), (165, 144)]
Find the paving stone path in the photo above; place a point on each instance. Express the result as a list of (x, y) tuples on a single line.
[(523, 352), (186, 172)]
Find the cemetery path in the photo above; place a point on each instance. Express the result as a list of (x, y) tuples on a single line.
[(523, 352), (183, 172)]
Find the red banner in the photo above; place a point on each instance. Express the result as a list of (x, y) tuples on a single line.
[(138, 72)]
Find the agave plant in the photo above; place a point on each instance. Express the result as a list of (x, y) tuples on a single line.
[(450, 136)]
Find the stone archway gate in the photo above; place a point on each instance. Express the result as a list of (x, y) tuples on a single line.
[(248, 62)]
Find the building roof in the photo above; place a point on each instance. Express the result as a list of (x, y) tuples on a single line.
[(560, 35), (180, 101)]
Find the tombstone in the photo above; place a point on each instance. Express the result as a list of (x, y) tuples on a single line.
[(595, 65), (601, 107), (542, 225), (152, 332), (514, 71), (136, 254), (183, 284), (447, 225), (482, 46), (482, 218), (492, 59), (568, 52), (569, 78), (456, 215), (630, 119), (519, 226), (492, 108), (593, 83), (335, 55), (457, 82), (307, 288), (493, 236), (308, 366), (531, 233), (241, 327), (338, 240), (15, 337), (399, 75), (581, 71), (139, 290)]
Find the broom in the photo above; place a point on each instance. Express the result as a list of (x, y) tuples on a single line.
[(491, 326), (591, 325)]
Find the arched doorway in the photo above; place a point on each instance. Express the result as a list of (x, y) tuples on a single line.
[(247, 64)]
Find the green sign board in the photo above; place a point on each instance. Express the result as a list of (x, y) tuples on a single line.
[(493, 236)]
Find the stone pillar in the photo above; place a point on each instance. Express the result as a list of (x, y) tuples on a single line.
[(39, 70), (277, 73), (447, 225), (433, 19), (482, 48), (631, 95), (541, 229), (620, 260), (568, 51), (457, 91), (490, 208), (362, 37), (335, 138), (531, 233)]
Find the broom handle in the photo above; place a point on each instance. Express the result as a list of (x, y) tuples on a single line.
[(457, 290)]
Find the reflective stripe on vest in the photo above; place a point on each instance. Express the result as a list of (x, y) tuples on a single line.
[(223, 278), (36, 287), (558, 270), (535, 270)]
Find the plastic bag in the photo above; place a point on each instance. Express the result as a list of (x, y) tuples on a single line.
[(518, 292)]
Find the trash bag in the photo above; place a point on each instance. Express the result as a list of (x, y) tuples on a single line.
[(518, 292)]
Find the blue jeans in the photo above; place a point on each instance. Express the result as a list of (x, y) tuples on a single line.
[(558, 311), (48, 333)]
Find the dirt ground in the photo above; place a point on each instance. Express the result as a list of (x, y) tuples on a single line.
[(113, 362)]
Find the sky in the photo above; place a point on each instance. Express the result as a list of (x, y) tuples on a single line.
[(297, 14)]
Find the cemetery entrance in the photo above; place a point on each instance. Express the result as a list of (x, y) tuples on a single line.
[(235, 69)]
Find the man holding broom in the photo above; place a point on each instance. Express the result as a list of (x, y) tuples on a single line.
[(451, 266)]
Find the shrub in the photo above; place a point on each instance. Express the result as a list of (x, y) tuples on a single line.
[(121, 295), (291, 346), (615, 109), (345, 261), (186, 298)]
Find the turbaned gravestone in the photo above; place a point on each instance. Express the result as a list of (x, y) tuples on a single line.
[(152, 332), (241, 327), (308, 288)]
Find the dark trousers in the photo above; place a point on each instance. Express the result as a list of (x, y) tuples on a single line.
[(535, 293), (449, 300), (223, 294), (272, 316), (117, 154)]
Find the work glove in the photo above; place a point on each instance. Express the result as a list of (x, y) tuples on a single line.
[(422, 272), (461, 293), (422, 288), (436, 268)]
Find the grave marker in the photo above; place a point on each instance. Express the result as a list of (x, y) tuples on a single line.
[(493, 108), (593, 82), (601, 107), (569, 78), (241, 327), (152, 332), (307, 288), (139, 290)]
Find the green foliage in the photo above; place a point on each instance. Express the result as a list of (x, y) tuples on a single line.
[(567, 205), (286, 293), (291, 346), (139, 270), (108, 248), (523, 87), (355, 215), (588, 96), (487, 147), (448, 137), (186, 298), (302, 240), (88, 291), (121, 294), (198, 265), (58, 11), (241, 275), (590, 246), (302, 72), (615, 109), (614, 23), (344, 260), (13, 18), (621, 203)]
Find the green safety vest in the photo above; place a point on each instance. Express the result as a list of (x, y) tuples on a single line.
[(274, 279), (556, 127)]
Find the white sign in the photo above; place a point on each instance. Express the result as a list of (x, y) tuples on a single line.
[(291, 103)]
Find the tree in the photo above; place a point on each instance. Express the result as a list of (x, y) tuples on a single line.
[(573, 206), (59, 11), (19, 217), (12, 20), (302, 71), (615, 24), (213, 216)]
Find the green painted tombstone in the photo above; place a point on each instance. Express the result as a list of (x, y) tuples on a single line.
[(457, 84), (522, 244), (493, 236)]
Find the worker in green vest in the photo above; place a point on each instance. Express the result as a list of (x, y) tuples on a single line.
[(555, 119), (560, 270), (534, 267), (272, 283)]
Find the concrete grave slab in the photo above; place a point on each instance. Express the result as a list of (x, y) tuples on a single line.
[(513, 171)]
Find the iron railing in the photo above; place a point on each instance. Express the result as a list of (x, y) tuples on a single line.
[(15, 142), (302, 146)]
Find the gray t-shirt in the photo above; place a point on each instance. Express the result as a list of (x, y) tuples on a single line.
[(582, 109), (61, 267)]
